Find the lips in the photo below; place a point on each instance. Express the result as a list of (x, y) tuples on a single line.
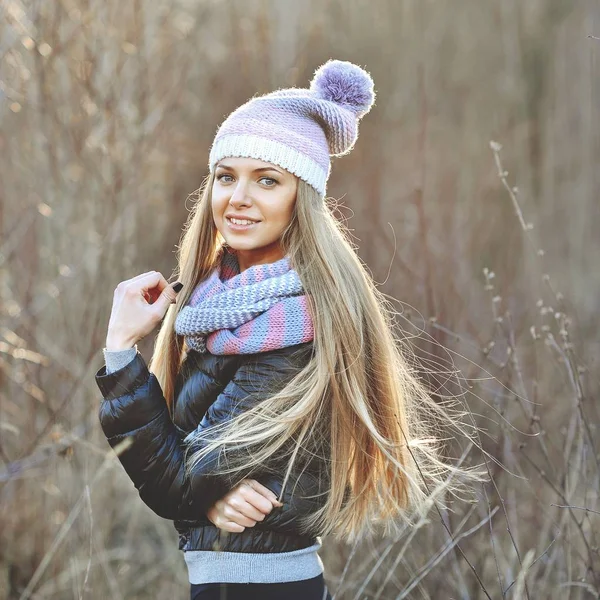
[(229, 217), (238, 227)]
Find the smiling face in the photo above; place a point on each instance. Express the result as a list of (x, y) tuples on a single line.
[(252, 204)]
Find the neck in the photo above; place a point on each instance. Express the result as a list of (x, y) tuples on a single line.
[(259, 256)]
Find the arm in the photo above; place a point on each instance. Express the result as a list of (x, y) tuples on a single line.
[(134, 408)]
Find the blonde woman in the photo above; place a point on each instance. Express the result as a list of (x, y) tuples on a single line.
[(278, 407)]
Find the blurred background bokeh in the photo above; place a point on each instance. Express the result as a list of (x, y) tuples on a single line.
[(473, 198)]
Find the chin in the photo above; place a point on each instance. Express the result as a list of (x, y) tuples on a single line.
[(242, 244)]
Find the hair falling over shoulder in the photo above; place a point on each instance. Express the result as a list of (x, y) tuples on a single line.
[(384, 432)]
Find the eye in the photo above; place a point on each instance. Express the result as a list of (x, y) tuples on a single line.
[(275, 182), (220, 177)]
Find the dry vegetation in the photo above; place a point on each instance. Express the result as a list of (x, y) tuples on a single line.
[(106, 116)]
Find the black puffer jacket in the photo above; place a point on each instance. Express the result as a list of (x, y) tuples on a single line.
[(209, 389)]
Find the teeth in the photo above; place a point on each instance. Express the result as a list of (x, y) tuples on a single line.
[(240, 221)]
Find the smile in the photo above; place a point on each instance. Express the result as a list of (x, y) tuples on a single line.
[(240, 224)]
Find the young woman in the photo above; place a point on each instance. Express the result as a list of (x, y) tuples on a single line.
[(279, 407)]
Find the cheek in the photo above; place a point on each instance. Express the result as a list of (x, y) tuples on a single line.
[(278, 219), (217, 205), (288, 212)]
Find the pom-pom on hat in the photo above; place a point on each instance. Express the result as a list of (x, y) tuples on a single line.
[(299, 129)]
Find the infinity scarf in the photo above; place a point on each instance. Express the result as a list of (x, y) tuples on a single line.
[(260, 309)]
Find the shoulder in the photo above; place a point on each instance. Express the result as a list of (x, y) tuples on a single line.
[(259, 376), (278, 364), (296, 354), (264, 373), (282, 360)]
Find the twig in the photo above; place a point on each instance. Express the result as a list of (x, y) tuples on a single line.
[(89, 564), (449, 546), (577, 507), (346, 566), (62, 533), (533, 563)]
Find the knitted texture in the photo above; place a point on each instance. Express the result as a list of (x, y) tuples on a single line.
[(299, 129), (260, 309)]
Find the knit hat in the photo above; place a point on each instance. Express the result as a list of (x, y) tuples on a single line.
[(299, 129)]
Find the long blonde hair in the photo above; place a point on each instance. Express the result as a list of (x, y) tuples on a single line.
[(358, 391)]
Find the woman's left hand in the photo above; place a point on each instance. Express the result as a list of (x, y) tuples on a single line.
[(243, 506)]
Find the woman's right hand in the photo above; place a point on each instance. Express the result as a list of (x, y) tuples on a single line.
[(243, 506), (139, 304)]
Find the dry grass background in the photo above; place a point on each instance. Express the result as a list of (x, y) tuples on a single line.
[(107, 111)]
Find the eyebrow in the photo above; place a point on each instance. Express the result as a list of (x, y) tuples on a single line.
[(260, 169)]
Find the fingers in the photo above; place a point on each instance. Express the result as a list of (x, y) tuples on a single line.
[(231, 526), (216, 518), (262, 490), (150, 281), (244, 506), (150, 286), (138, 306), (140, 276), (235, 504), (226, 512), (144, 282), (169, 294), (252, 503), (124, 284)]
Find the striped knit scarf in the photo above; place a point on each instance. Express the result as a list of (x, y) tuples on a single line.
[(260, 309)]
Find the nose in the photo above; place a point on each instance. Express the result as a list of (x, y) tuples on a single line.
[(239, 197)]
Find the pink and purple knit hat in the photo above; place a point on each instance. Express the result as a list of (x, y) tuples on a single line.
[(299, 129)]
